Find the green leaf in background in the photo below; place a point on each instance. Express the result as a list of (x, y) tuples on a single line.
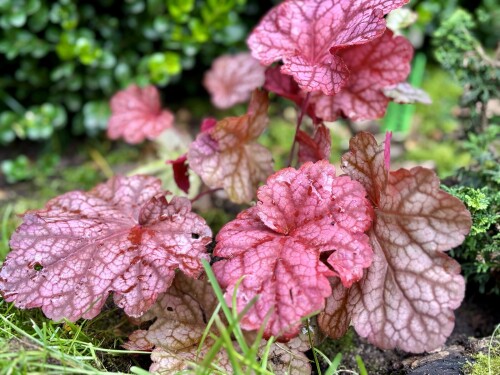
[(7, 120), (162, 66), (71, 52), (199, 31), (16, 170), (95, 116), (39, 122), (65, 13), (180, 9), (87, 51)]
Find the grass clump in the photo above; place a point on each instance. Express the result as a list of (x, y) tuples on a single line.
[(33, 344)]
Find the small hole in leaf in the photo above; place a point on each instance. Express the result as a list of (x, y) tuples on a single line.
[(37, 267), (195, 236), (170, 308)]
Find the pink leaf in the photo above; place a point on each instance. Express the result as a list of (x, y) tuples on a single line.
[(276, 245), (136, 114), (316, 148), (122, 237), (228, 155), (307, 34), (407, 297), (373, 66), (181, 175), (208, 124), (232, 78)]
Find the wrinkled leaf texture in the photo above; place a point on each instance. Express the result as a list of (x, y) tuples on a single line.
[(181, 316), (136, 114), (308, 34), (373, 66), (227, 155), (232, 78), (123, 237), (406, 298), (301, 215)]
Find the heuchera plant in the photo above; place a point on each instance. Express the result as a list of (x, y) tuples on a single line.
[(365, 248)]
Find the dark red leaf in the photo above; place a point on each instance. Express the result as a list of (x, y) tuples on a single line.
[(181, 175)]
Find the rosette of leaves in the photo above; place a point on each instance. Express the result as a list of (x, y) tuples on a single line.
[(67, 53)]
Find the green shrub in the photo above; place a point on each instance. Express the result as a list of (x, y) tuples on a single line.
[(60, 58), (479, 252), (460, 51)]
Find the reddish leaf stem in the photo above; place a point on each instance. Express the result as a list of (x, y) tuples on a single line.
[(203, 193), (303, 109)]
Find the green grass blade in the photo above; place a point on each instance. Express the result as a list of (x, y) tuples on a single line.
[(311, 344), (333, 366), (361, 365)]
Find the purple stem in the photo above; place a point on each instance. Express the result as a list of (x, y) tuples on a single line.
[(302, 112)]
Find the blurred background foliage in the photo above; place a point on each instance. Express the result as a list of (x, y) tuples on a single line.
[(62, 60)]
